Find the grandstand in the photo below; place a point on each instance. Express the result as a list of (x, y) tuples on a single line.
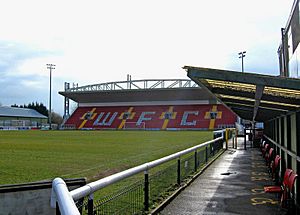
[(177, 104), (12, 118)]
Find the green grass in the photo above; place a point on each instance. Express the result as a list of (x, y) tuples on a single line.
[(27, 156)]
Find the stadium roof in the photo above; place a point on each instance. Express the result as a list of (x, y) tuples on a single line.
[(131, 91), (182, 94), (20, 112), (253, 97)]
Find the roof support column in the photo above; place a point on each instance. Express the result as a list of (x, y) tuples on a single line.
[(258, 94), (298, 154), (67, 103)]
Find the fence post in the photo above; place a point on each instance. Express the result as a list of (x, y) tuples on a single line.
[(245, 135), (80, 202), (196, 162), (232, 139), (236, 138), (178, 171), (226, 137), (253, 137), (146, 191), (57, 209), (220, 144), (206, 152), (91, 204)]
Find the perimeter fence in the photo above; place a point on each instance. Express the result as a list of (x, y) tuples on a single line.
[(152, 182)]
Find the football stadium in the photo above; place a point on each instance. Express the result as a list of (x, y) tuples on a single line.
[(117, 126), (146, 105), (163, 146)]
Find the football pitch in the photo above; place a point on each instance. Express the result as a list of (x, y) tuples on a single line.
[(27, 156)]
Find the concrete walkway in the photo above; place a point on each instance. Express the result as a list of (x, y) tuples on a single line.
[(233, 184)]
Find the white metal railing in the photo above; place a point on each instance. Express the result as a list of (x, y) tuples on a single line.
[(62, 196), (66, 199)]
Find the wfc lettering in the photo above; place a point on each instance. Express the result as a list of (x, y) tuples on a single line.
[(188, 118)]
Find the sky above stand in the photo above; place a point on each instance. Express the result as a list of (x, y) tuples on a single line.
[(96, 41)]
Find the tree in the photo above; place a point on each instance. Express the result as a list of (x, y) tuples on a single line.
[(56, 118), (39, 107)]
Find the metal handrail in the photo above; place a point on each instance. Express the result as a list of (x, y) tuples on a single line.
[(94, 186), (62, 194), (293, 155)]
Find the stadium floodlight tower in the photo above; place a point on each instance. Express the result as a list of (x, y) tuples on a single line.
[(50, 67), (242, 55)]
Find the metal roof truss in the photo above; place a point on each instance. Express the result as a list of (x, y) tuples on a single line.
[(253, 97)]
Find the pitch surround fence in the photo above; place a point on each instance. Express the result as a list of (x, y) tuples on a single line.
[(141, 196)]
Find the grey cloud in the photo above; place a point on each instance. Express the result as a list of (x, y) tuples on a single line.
[(18, 88), (14, 88), (13, 53)]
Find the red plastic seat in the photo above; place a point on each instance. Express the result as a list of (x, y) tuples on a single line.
[(291, 184), (268, 156), (288, 196), (274, 167), (292, 180), (273, 189), (262, 145), (280, 189), (265, 149)]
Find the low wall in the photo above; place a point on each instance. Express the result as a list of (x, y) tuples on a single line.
[(31, 198)]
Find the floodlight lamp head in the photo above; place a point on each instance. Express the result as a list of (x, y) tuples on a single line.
[(50, 66)]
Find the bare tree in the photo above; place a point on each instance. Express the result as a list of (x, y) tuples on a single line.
[(56, 118)]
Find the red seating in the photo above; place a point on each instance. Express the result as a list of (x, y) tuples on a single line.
[(262, 145), (291, 184), (265, 150), (292, 180), (286, 189), (288, 196), (280, 189), (274, 168), (153, 117), (268, 157)]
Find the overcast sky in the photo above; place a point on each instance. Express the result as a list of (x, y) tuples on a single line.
[(100, 41)]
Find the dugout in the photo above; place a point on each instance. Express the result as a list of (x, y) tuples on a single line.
[(272, 100)]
